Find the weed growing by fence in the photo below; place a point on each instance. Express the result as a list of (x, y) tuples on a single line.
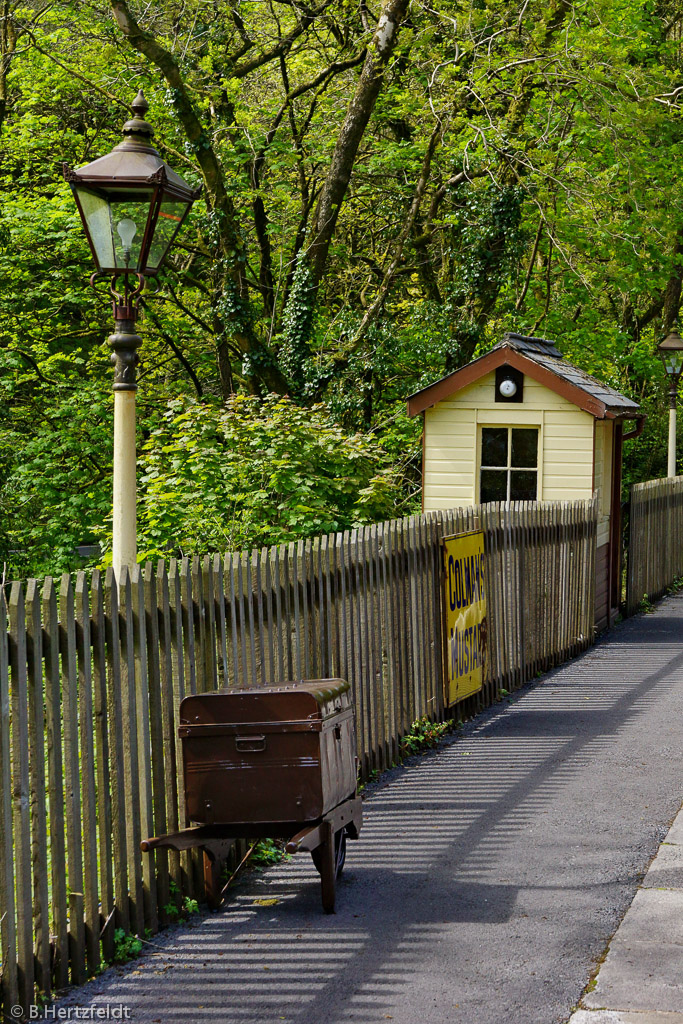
[(126, 946), (269, 851), (425, 734)]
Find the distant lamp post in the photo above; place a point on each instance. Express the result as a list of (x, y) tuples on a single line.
[(671, 351), (132, 205)]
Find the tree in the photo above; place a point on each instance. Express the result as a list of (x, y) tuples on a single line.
[(379, 207)]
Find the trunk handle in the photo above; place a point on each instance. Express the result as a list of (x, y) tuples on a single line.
[(250, 743)]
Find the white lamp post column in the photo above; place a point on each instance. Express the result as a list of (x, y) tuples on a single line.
[(124, 344), (672, 432)]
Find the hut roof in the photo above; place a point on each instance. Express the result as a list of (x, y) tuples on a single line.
[(542, 360)]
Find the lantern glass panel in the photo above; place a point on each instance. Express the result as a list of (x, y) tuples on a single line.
[(170, 218), (128, 222), (673, 361), (96, 213)]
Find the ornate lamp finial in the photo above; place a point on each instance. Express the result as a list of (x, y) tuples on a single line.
[(140, 129), (140, 106)]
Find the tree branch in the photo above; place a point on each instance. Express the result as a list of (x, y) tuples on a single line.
[(374, 308), (228, 237), (282, 45), (357, 116)]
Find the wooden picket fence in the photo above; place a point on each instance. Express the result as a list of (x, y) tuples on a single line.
[(91, 677), (655, 544)]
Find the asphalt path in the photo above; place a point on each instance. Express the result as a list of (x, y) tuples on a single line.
[(488, 878)]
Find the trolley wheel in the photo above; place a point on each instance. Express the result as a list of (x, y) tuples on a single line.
[(339, 854)]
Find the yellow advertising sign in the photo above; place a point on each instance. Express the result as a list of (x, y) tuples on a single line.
[(464, 615)]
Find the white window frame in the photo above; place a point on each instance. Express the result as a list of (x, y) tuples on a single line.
[(509, 468)]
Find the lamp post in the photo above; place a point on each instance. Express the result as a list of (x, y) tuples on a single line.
[(671, 351), (132, 205)]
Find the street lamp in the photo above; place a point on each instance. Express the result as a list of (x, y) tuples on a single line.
[(132, 205), (671, 351)]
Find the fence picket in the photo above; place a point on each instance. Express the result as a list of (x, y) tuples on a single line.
[(304, 558), (101, 733), (55, 764), (21, 791), (258, 575), (130, 751), (294, 564), (222, 668), (186, 608), (158, 860), (74, 836), (210, 645), (175, 589), (144, 761), (36, 740), (91, 896), (8, 926), (243, 596), (199, 621), (168, 717), (278, 628), (116, 732)]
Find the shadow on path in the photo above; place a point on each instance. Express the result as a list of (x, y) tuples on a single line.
[(487, 878)]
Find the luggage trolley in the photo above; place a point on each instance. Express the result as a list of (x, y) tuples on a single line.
[(271, 762)]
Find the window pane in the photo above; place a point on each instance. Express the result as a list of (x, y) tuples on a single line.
[(523, 485), (524, 448), (494, 485), (494, 448)]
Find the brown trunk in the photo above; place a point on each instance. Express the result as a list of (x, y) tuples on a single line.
[(672, 292), (8, 46), (227, 234), (349, 139)]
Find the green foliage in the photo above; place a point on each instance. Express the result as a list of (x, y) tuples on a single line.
[(297, 323), (255, 472), (373, 776), (552, 204), (126, 946), (177, 909), (425, 734), (190, 906), (268, 851)]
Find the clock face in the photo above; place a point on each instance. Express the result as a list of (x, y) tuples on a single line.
[(508, 388)]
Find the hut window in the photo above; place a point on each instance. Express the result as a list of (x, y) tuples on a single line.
[(509, 464)]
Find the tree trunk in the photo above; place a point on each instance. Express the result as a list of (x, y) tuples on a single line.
[(232, 305), (356, 121)]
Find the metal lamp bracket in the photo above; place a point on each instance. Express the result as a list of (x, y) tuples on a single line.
[(126, 302)]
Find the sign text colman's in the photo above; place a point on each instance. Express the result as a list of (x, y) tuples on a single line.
[(464, 615)]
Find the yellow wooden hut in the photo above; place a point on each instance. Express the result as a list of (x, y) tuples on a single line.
[(521, 423)]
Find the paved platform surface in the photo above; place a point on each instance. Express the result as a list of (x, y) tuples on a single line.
[(641, 979), (488, 881)]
